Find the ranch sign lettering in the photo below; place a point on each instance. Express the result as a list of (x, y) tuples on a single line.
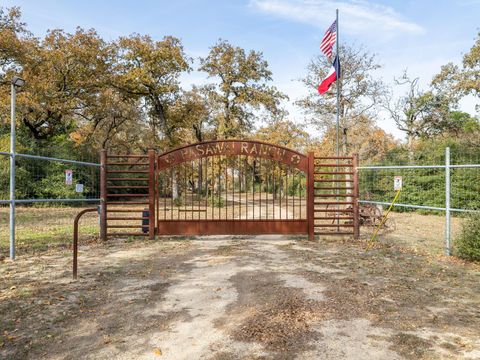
[(233, 148)]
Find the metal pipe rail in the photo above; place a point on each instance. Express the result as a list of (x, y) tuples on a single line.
[(30, 201), (423, 207), (398, 167), (66, 161), (75, 239)]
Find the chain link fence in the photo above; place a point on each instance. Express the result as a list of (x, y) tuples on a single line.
[(438, 186), (49, 191)]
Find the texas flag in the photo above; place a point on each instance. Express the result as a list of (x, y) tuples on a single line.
[(333, 75)]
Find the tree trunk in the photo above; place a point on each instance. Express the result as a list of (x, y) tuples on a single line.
[(200, 178), (174, 185), (410, 139)]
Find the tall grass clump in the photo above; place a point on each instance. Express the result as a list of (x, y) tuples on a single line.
[(467, 244)]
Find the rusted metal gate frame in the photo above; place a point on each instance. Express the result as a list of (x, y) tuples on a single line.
[(341, 200), (305, 163), (107, 200)]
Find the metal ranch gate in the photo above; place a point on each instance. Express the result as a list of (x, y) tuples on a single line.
[(229, 187)]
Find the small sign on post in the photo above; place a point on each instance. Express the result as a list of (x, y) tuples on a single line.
[(68, 177), (79, 188), (397, 183)]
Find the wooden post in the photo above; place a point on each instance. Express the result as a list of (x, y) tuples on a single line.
[(356, 217), (311, 195), (103, 194), (151, 194)]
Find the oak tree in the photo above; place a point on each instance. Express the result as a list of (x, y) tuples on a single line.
[(241, 90), (360, 91)]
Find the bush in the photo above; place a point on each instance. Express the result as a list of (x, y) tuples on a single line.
[(178, 201), (216, 202), (467, 244)]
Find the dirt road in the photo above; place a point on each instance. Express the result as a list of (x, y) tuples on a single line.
[(224, 298)]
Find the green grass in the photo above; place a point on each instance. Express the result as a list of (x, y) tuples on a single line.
[(38, 229)]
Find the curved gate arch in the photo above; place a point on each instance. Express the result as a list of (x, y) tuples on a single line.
[(251, 148), (234, 187)]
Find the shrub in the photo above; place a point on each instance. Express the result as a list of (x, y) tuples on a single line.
[(215, 201), (178, 201), (467, 244)]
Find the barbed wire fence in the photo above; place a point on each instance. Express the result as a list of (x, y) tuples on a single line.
[(447, 185), (49, 191)]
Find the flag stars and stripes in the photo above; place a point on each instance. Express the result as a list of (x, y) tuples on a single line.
[(329, 40)]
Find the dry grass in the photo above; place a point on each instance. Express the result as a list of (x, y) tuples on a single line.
[(420, 233), (231, 299), (41, 229), (44, 228)]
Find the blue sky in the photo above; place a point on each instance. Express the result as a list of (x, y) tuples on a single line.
[(419, 35)]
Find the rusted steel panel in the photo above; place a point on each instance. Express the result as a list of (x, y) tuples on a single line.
[(127, 203), (333, 158), (127, 187), (151, 194), (128, 163), (356, 215), (128, 156), (128, 234), (334, 210), (231, 148), (124, 210), (127, 179), (127, 171), (103, 194), (127, 195), (232, 227), (333, 173), (341, 180), (310, 196), (334, 165), (332, 180), (336, 233)]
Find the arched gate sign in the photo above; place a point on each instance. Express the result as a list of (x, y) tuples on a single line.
[(229, 187)]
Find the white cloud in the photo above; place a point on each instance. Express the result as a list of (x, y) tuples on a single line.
[(357, 16)]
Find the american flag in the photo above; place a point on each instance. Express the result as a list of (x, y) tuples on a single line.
[(329, 39)]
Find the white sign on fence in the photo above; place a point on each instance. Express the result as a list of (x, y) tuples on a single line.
[(79, 188), (68, 177), (397, 183)]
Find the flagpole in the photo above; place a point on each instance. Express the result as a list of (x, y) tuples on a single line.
[(338, 93), (338, 116)]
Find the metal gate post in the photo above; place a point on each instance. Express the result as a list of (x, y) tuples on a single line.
[(151, 194), (12, 173), (311, 195), (356, 217), (103, 194), (447, 201)]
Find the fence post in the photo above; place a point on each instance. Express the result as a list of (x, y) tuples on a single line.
[(151, 194), (311, 196), (356, 217), (103, 194), (12, 172), (447, 202)]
